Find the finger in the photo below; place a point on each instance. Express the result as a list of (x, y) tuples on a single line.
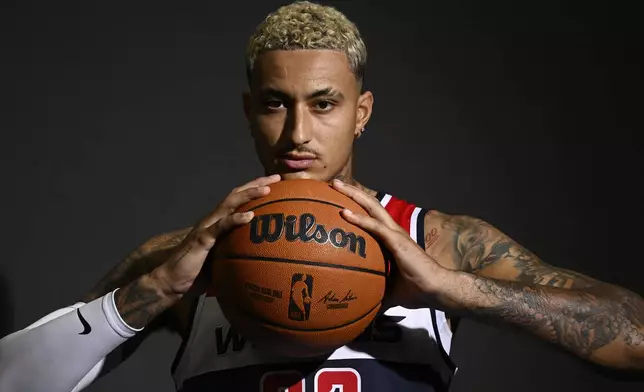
[(262, 181), (369, 203), (230, 222), (232, 202), (236, 199), (397, 242), (204, 239), (372, 225)]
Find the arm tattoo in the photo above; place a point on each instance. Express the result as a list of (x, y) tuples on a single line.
[(141, 261), (512, 284), (479, 245), (580, 321), (141, 301)]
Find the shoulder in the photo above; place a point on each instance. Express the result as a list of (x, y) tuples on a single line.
[(433, 230), (439, 223), (444, 236), (463, 242)]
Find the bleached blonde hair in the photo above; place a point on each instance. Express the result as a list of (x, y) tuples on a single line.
[(304, 25)]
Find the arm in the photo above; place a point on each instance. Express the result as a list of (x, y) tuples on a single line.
[(140, 298), (490, 277), (56, 357), (87, 339)]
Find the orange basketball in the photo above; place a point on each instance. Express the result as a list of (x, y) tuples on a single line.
[(299, 279)]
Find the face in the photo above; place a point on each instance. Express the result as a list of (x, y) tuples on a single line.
[(305, 111)]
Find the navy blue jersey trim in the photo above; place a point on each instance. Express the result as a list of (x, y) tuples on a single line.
[(420, 228), (444, 354)]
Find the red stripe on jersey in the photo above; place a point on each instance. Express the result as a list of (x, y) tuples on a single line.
[(401, 211)]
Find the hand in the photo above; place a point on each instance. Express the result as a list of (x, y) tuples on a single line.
[(417, 273), (178, 274)]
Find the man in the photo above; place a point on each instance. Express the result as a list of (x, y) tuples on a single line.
[(306, 107)]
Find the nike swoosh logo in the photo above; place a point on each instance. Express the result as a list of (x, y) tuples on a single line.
[(87, 328)]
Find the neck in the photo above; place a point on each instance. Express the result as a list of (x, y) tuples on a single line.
[(346, 176)]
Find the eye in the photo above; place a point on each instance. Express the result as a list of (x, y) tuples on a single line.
[(324, 106), (273, 104)]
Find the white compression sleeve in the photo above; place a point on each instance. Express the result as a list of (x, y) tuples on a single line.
[(64, 351)]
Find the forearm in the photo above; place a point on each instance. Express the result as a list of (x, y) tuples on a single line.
[(63, 351), (66, 350), (145, 298), (603, 324)]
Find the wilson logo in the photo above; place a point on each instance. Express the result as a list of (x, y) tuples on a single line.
[(272, 227)]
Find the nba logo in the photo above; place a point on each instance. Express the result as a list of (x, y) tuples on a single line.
[(299, 304)]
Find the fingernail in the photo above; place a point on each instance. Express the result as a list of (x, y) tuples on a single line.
[(338, 182), (348, 211)]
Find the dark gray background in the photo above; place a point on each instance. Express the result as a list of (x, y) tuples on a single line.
[(123, 121)]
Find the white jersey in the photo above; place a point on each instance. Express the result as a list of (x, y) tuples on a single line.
[(402, 350)]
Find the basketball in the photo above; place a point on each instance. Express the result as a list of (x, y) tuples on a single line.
[(299, 279)]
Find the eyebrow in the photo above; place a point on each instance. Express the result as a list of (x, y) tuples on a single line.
[(324, 92)]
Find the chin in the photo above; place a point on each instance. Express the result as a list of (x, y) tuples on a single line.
[(304, 175)]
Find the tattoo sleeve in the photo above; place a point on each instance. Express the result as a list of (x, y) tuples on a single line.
[(141, 261), (506, 282), (139, 299)]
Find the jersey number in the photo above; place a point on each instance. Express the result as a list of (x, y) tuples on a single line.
[(326, 380), (337, 380)]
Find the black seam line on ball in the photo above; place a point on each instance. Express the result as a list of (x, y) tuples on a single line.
[(300, 262), (297, 199)]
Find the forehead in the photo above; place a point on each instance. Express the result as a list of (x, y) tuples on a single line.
[(303, 70)]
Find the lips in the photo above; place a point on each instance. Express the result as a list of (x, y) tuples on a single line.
[(298, 161)]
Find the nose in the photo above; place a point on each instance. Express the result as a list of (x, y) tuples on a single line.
[(298, 125)]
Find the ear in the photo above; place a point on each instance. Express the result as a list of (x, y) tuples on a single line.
[(246, 100), (364, 108)]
